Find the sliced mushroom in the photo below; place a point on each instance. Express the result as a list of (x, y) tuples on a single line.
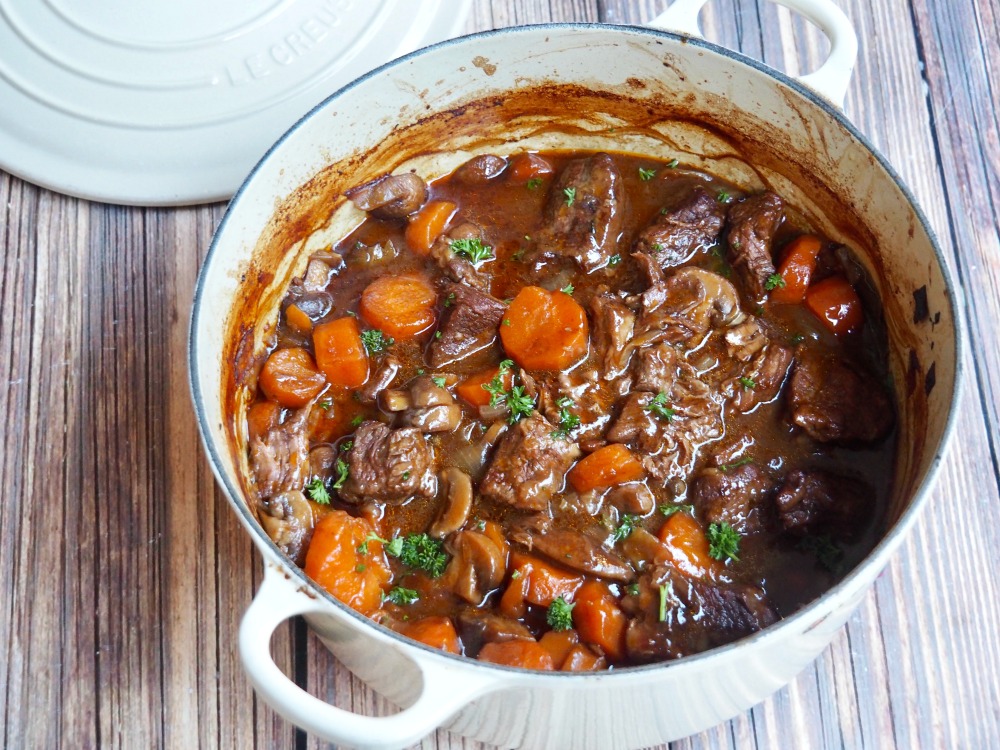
[(632, 497), (322, 459), (425, 392), (317, 276), (477, 566), (435, 418), (578, 552), (288, 520), (381, 380), (394, 400), (458, 488), (480, 169), (390, 196)]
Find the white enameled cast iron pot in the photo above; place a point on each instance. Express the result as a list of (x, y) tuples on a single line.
[(640, 90)]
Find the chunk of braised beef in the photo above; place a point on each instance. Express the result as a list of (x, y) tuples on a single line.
[(584, 213), (572, 549), (529, 465), (288, 519), (697, 615), (817, 501), (837, 402), (656, 368), (480, 169), (390, 196), (613, 325), (763, 377), (280, 459), (457, 267), (668, 430), (686, 304), (389, 466), (681, 229), (469, 324), (632, 497), (739, 496), (753, 222)]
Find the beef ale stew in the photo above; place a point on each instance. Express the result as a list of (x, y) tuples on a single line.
[(575, 411)]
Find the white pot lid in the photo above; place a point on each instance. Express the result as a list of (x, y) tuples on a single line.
[(146, 102)]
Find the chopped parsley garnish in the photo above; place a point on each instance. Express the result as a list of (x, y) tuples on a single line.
[(343, 471), (568, 289), (515, 575), (723, 541), (356, 422), (658, 248), (439, 381), (615, 260), (449, 300), (672, 163), (646, 174), (668, 510), (658, 406), (633, 589), (420, 552), (372, 537), (626, 527), (568, 421), (735, 464), (401, 596), (774, 281), (325, 404), (347, 445), (317, 491), (828, 554), (534, 183), (723, 197), (506, 321), (520, 404), (437, 334), (375, 341), (748, 383), (666, 593), (495, 387), (560, 614), (473, 249), (406, 475), (570, 194)]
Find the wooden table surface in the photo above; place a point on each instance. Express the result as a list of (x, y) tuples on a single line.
[(124, 572)]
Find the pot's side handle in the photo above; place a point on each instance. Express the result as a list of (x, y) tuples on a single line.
[(832, 78), (443, 692)]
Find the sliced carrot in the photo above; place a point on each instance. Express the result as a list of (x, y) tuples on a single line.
[(607, 466), (334, 561), (436, 632), (512, 602), (471, 389), (399, 306), (836, 304), (685, 540), (340, 354), (582, 659), (262, 417), (559, 643), (524, 654), (290, 377), (427, 225), (599, 620), (796, 269), (297, 320), (545, 330), (526, 166), (545, 581)]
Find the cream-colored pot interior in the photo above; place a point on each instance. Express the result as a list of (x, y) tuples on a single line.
[(579, 86)]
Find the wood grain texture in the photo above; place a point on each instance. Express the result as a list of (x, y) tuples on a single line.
[(124, 573)]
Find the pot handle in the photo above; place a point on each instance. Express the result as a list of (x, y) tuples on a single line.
[(443, 692), (833, 76)]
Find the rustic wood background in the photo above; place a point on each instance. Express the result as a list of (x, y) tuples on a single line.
[(124, 573)]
